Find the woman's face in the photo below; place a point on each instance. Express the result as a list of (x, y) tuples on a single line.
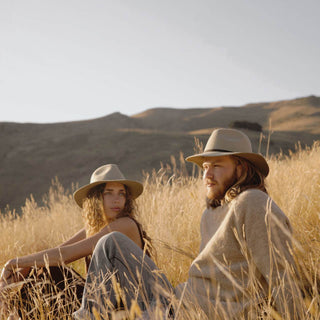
[(114, 199)]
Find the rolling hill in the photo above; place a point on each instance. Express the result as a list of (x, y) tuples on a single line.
[(31, 155)]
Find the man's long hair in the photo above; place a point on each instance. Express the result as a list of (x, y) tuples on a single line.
[(251, 178)]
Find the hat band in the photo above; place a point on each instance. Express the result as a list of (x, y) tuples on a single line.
[(218, 150)]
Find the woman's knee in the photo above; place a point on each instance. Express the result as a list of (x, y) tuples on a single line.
[(111, 241)]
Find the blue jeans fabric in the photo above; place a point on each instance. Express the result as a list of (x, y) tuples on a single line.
[(116, 257)]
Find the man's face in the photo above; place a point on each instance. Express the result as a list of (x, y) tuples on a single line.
[(219, 174)]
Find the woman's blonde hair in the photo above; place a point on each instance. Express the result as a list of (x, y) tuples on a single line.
[(95, 218)]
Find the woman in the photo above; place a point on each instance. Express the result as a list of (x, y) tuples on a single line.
[(108, 205)]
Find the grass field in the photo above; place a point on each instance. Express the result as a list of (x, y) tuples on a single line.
[(171, 208)]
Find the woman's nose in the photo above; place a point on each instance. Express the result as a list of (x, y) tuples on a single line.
[(116, 199)]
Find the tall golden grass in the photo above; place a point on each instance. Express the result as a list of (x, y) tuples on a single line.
[(170, 208)]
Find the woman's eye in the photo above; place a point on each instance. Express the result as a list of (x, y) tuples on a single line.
[(122, 194)]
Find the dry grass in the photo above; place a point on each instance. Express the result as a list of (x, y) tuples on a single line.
[(294, 184), (171, 208)]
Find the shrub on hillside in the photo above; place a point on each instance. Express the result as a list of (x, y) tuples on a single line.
[(254, 126)]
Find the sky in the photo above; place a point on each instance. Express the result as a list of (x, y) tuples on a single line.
[(68, 60)]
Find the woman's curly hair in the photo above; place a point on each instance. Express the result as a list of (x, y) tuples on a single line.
[(95, 218)]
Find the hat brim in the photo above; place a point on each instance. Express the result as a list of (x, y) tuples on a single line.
[(135, 187), (255, 158)]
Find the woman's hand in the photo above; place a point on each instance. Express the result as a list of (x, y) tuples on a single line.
[(5, 279), (8, 273)]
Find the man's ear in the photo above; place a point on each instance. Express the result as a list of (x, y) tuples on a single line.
[(239, 170)]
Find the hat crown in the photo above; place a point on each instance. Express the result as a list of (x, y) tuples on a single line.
[(226, 142), (107, 172), (104, 174), (229, 140)]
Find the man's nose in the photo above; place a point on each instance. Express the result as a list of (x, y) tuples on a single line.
[(208, 174)]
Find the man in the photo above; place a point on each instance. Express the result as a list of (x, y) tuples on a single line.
[(245, 254)]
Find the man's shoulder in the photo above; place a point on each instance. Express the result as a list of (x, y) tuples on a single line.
[(257, 202), (252, 195), (250, 199)]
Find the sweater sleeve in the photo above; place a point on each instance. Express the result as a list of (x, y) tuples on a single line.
[(266, 236)]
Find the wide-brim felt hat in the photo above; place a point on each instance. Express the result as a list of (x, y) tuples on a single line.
[(227, 142), (104, 174)]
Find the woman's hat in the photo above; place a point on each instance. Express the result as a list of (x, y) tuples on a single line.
[(227, 142), (104, 174)]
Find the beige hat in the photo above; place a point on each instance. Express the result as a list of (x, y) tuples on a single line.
[(226, 142), (104, 174)]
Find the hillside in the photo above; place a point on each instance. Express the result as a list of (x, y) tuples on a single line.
[(31, 155)]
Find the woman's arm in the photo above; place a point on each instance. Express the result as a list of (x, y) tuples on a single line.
[(22, 272), (73, 251), (80, 235)]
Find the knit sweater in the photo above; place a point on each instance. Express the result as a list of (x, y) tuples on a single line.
[(236, 255)]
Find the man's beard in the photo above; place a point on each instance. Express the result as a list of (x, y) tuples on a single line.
[(216, 201)]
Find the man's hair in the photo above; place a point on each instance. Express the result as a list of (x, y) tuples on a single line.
[(251, 178)]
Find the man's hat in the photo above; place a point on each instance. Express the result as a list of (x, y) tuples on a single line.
[(104, 174), (227, 142)]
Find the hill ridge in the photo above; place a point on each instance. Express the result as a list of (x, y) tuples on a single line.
[(32, 154)]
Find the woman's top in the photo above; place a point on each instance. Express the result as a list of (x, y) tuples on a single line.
[(143, 241)]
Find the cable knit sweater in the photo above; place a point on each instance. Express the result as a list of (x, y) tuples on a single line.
[(235, 254)]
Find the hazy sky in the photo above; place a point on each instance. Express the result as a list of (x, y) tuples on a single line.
[(64, 60)]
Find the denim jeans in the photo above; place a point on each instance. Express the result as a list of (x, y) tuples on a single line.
[(119, 275)]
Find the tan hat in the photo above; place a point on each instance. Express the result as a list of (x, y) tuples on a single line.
[(104, 174), (226, 142)]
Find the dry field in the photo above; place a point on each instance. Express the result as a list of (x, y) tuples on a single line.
[(171, 208)]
